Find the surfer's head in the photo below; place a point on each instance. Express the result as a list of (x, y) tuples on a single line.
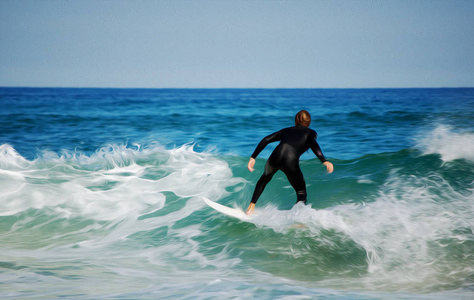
[(303, 118)]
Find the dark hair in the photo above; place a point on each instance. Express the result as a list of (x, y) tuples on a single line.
[(303, 118)]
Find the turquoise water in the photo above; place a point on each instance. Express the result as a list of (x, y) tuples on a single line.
[(101, 195)]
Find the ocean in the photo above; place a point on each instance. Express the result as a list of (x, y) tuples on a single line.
[(101, 195)]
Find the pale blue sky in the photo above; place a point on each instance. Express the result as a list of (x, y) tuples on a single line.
[(244, 44)]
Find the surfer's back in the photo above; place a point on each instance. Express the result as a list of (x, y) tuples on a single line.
[(298, 137)]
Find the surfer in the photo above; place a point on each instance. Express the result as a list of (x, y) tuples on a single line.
[(294, 141)]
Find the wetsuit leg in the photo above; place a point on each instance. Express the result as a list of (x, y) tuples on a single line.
[(270, 170), (295, 177)]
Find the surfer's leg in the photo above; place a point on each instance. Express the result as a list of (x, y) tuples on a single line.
[(270, 170), (296, 179)]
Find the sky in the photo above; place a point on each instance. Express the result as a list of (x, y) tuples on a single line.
[(237, 44)]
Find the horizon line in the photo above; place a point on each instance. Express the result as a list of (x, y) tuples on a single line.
[(233, 88)]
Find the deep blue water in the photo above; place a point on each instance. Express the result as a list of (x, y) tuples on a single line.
[(101, 195)]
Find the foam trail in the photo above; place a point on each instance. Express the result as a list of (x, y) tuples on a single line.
[(114, 183)]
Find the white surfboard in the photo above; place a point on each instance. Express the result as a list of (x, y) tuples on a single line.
[(233, 212)]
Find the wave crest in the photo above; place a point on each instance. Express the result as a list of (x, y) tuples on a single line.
[(443, 140)]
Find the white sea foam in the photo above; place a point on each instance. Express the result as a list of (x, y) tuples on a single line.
[(451, 145), (114, 183), (10, 159)]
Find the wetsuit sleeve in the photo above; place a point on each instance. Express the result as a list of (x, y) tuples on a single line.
[(265, 141), (316, 149)]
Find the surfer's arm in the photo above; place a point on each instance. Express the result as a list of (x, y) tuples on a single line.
[(317, 151), (265, 141), (250, 209), (319, 154)]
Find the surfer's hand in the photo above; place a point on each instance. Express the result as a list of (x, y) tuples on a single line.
[(250, 209), (251, 164), (329, 166)]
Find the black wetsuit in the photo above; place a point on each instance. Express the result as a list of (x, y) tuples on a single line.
[(294, 141)]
